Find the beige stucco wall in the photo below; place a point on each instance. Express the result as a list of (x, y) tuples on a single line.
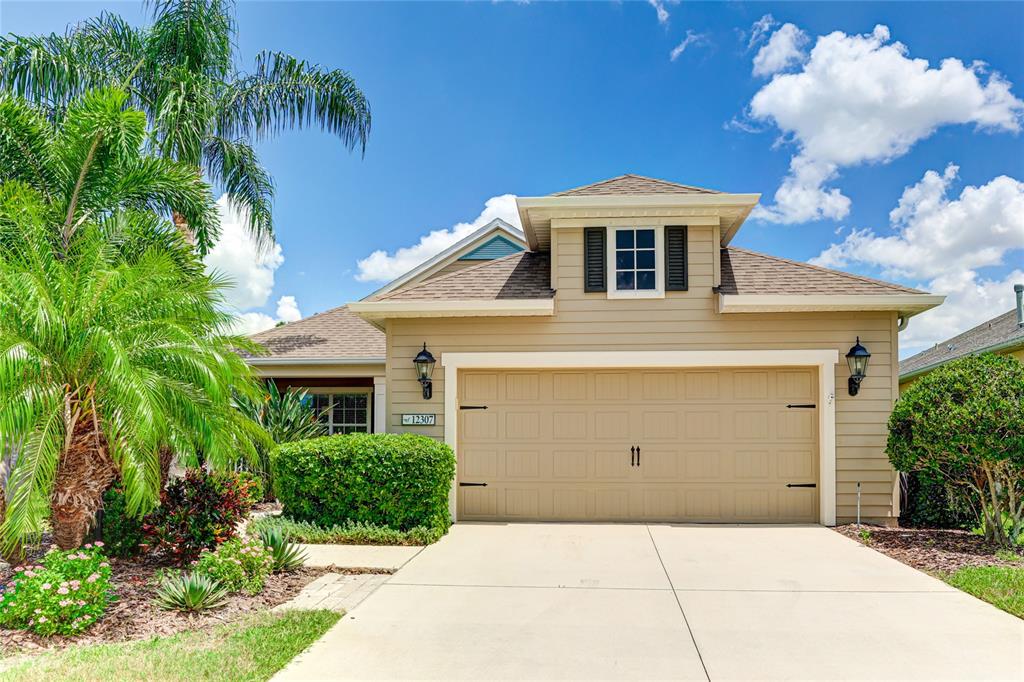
[(681, 321)]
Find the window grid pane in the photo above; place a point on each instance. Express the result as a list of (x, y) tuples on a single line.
[(343, 412), (635, 259)]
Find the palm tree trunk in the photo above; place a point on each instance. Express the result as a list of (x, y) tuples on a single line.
[(84, 472), (184, 228)]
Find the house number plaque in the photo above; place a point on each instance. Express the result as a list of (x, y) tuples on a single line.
[(419, 419)]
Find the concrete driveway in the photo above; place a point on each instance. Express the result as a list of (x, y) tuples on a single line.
[(582, 601)]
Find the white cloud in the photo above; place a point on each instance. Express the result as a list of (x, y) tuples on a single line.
[(784, 49), (761, 28), (943, 242), (694, 39), (861, 99), (380, 266), (659, 7), (250, 268)]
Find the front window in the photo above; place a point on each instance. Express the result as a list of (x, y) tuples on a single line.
[(636, 268), (343, 412)]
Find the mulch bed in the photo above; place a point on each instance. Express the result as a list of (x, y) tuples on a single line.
[(928, 549), (134, 616)]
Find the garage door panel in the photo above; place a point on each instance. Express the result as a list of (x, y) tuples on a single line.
[(717, 445)]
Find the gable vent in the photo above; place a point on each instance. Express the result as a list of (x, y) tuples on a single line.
[(594, 259), (676, 270)]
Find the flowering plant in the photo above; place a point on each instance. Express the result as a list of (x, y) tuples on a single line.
[(238, 565), (64, 595)]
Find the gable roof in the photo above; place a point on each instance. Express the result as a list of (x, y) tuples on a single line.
[(336, 334), (748, 272), (479, 237), (632, 184), (524, 275), (495, 247), (999, 332)]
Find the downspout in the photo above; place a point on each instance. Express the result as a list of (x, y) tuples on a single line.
[(902, 322), (1019, 290)]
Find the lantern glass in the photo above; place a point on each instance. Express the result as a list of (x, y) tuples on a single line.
[(424, 364), (858, 358)]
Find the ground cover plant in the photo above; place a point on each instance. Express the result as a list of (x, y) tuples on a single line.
[(398, 481), (63, 595), (250, 650), (348, 533), (238, 564)]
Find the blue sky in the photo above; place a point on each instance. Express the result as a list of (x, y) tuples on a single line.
[(475, 100)]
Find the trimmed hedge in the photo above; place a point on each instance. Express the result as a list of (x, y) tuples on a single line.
[(396, 480)]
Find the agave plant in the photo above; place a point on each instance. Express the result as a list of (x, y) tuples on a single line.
[(287, 555), (190, 592)]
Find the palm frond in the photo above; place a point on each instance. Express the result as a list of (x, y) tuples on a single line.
[(283, 92), (232, 165)]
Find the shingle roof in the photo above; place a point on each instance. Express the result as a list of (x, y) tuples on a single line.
[(524, 275), (996, 332), (633, 184), (748, 272), (335, 333)]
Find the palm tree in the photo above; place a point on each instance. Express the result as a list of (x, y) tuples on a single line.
[(112, 340), (202, 110)]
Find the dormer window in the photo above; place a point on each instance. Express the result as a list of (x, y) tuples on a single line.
[(635, 262)]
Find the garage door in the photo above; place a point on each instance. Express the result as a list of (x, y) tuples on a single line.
[(719, 445)]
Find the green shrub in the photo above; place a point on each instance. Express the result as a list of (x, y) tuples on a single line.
[(237, 565), (348, 533), (198, 512), (963, 423), (122, 533), (931, 504), (398, 481), (287, 556), (64, 595), (190, 592)]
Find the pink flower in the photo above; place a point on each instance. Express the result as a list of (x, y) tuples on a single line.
[(75, 584), (45, 586), (81, 603), (104, 564), (62, 590), (38, 611), (99, 544), (88, 545), (19, 569), (42, 619), (93, 578), (65, 602), (30, 574)]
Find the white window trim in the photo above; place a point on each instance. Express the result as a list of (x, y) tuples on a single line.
[(659, 263), (349, 390), (825, 359)]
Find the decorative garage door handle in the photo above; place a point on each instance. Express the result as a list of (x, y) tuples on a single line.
[(472, 407), (472, 485), (801, 485), (632, 456), (638, 455), (806, 406)]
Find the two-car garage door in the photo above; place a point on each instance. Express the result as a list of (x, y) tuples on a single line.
[(711, 445)]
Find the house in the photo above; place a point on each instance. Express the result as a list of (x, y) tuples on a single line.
[(628, 364), (1003, 334)]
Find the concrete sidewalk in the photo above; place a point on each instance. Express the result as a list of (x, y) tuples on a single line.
[(389, 558), (590, 601)]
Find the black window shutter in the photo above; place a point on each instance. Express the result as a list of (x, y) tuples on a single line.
[(595, 276), (676, 266)]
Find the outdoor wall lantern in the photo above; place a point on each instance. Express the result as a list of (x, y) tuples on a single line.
[(424, 368), (857, 358)]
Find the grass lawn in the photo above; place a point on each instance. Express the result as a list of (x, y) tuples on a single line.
[(1001, 586), (253, 649)]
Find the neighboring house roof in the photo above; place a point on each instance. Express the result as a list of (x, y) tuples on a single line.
[(998, 333), (524, 275), (468, 244), (748, 272), (336, 334), (632, 184)]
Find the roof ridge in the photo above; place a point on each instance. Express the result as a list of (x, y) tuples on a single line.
[(668, 183), (819, 268), (966, 332), (300, 321), (472, 268)]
